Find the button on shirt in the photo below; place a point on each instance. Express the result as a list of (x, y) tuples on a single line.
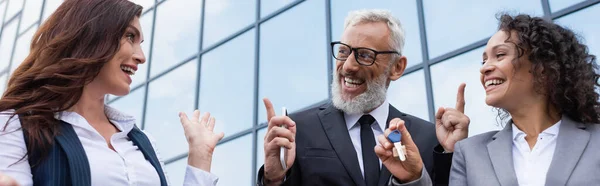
[(125, 165), (531, 164), (380, 114)]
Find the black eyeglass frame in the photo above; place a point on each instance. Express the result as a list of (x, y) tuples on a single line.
[(355, 52)]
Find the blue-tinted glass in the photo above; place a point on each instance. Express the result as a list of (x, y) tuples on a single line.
[(580, 23), (293, 61), (408, 95), (22, 48), (176, 171), (176, 34), (144, 3), (405, 11), (260, 148), (50, 6), (167, 96), (232, 161), (227, 84), (3, 81), (31, 13), (2, 10), (142, 72), (14, 6), (556, 5), (131, 104), (223, 18), (446, 76), (452, 25), (267, 7), (6, 43)]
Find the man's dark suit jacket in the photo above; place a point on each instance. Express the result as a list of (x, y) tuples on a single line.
[(325, 155)]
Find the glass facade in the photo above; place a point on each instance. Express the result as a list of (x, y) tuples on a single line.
[(224, 56)]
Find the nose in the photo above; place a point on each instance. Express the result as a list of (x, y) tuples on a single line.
[(351, 65), (486, 68), (138, 55)]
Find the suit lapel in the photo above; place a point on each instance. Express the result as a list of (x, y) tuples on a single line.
[(334, 125), (500, 151), (384, 175), (571, 142), (79, 166)]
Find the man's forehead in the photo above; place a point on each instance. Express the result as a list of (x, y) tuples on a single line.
[(376, 33)]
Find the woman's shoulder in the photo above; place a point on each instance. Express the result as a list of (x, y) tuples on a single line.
[(479, 139), (8, 117)]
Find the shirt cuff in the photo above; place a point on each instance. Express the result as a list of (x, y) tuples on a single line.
[(195, 176)]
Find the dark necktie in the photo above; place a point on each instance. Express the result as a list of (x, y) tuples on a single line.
[(370, 160)]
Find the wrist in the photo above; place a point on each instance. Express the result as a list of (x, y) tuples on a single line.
[(200, 159)]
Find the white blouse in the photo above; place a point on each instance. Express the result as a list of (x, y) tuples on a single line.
[(125, 165)]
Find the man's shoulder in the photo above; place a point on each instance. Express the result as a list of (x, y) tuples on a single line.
[(311, 112), (414, 120)]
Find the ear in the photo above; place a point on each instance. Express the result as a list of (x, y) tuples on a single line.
[(398, 68)]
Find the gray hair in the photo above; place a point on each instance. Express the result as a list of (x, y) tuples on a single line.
[(375, 15)]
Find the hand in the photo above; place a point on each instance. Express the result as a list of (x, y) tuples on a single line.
[(407, 170), (201, 139), (276, 138), (7, 181), (451, 124)]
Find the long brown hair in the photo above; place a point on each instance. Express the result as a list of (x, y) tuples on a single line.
[(66, 53)]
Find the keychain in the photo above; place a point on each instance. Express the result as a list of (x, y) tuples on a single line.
[(399, 149)]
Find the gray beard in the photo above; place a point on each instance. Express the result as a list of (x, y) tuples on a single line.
[(363, 103)]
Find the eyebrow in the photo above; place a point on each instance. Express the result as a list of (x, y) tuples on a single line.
[(495, 47), (137, 32)]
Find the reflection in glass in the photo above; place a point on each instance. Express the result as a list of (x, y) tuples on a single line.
[(293, 62), (445, 82), (14, 6), (6, 43), (31, 13), (176, 171), (232, 161), (131, 104), (579, 22), (269, 6), (451, 25), (225, 17), (176, 34), (556, 5), (22, 49), (408, 95), (405, 11), (167, 96), (227, 84)]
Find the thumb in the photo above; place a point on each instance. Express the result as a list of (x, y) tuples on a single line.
[(407, 140), (460, 98)]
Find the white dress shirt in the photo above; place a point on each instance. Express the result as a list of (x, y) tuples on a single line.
[(125, 165), (380, 114), (531, 164)]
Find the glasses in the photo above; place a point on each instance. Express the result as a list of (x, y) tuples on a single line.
[(363, 56)]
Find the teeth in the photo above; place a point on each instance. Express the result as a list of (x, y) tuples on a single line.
[(129, 70), (493, 82), (352, 81)]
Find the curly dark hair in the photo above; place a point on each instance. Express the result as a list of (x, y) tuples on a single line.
[(562, 67)]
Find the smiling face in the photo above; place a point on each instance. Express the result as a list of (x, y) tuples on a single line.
[(115, 75), (506, 86), (357, 88)]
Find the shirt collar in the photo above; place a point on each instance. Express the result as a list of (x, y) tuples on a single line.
[(121, 120), (552, 130), (380, 114)]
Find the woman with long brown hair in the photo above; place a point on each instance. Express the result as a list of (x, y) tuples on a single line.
[(55, 126)]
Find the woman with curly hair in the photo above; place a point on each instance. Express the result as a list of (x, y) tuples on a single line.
[(55, 128), (543, 77)]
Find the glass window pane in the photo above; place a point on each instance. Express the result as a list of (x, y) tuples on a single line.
[(144, 3), (267, 7), (580, 23), (260, 148), (445, 82), (451, 25), (142, 72), (50, 6), (14, 6), (167, 96), (176, 34), (408, 95), (556, 5), (31, 13), (175, 171), (2, 10), (405, 11), (293, 62), (224, 18), (6, 43), (3, 81), (132, 104), (22, 49), (232, 162), (221, 92)]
